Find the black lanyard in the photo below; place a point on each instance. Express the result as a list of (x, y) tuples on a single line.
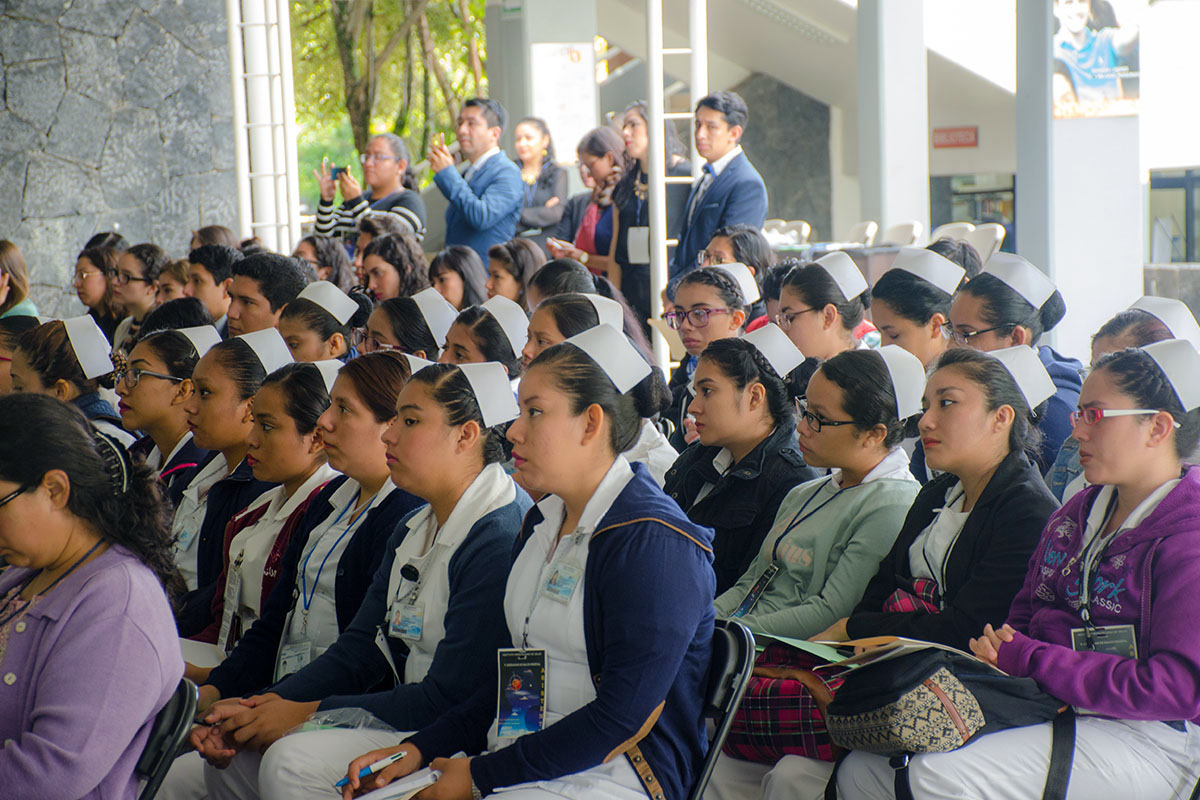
[(801, 516), (30, 579)]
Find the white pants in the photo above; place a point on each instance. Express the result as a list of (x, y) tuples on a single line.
[(299, 765), (792, 778), (185, 780), (1113, 759)]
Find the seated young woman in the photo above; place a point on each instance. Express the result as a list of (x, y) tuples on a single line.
[(320, 324), (226, 379), (416, 326), (609, 594), (435, 601), (830, 534), (747, 459), (90, 654), (562, 316), (69, 360), (1149, 320), (743, 244), (458, 274), (1011, 303), (153, 388), (708, 306), (285, 449), (495, 331), (1102, 619)]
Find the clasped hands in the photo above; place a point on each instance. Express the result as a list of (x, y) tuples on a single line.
[(242, 723)]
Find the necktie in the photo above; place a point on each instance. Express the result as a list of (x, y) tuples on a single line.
[(706, 181)]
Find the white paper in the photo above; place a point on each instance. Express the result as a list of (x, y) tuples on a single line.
[(405, 787)]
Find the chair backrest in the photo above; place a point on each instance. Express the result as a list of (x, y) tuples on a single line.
[(801, 228), (951, 230), (863, 233), (904, 233), (986, 238), (170, 728), (773, 225), (728, 674)]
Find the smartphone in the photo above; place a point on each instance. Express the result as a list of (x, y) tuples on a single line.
[(559, 243), (439, 139), (336, 172)]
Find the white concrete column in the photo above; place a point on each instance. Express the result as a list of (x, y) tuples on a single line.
[(893, 112)]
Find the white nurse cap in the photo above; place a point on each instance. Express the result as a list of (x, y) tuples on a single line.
[(493, 392), (779, 351), (329, 371), (747, 286), (609, 312), (1022, 277), (1172, 313), (512, 321), (930, 267), (613, 353), (908, 379), (270, 348), (845, 274), (1180, 362), (329, 297), (1028, 372), (202, 337), (439, 315), (91, 346)]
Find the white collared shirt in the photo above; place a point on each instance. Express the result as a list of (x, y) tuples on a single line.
[(189, 517), (155, 460), (1098, 516), (893, 465), (721, 462), (705, 180), (478, 163), (654, 450)]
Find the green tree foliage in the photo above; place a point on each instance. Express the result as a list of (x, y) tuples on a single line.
[(371, 66)]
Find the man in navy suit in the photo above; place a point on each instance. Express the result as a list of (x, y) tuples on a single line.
[(485, 199), (730, 191)]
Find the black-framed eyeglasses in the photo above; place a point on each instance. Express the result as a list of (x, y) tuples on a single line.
[(122, 278), (13, 495), (697, 316), (815, 421), (131, 377), (785, 320), (965, 337)]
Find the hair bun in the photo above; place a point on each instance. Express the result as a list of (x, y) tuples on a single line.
[(117, 463)]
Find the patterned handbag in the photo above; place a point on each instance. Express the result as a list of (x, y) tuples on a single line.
[(783, 710)]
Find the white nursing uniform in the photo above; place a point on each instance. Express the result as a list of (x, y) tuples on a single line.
[(557, 627), (189, 516)]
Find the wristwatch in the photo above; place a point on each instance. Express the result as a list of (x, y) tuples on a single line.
[(583, 257), (475, 793)]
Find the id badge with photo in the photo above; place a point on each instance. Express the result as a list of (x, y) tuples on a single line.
[(407, 622), (1119, 640), (293, 658), (521, 695), (185, 538), (756, 591), (561, 582)]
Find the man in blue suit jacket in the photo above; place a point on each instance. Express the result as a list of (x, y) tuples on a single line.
[(485, 199), (730, 191)]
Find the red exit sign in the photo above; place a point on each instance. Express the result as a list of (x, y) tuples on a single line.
[(965, 136)]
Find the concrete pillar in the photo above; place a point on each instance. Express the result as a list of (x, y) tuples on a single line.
[(893, 112), (1079, 194)]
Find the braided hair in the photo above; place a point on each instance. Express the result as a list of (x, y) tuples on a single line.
[(744, 364), (1138, 375), (719, 279)]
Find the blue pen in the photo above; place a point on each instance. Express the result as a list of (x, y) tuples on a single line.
[(379, 765)]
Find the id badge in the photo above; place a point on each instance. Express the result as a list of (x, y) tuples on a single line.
[(760, 586), (521, 698), (1119, 640), (293, 658), (638, 242), (233, 595), (561, 582), (185, 538), (407, 621)]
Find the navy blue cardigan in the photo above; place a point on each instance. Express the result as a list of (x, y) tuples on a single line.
[(465, 658), (176, 474), (648, 626), (227, 497), (251, 665)]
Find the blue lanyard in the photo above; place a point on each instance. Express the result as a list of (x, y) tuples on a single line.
[(801, 517), (529, 189), (306, 597)]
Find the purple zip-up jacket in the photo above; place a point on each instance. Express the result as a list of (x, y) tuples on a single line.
[(1147, 578)]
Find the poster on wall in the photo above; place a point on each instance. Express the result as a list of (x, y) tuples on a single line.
[(563, 78), (1096, 58)]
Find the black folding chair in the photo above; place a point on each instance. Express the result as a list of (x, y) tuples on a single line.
[(728, 674), (170, 728)]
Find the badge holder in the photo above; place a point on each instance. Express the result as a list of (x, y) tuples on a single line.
[(521, 695), (756, 591), (293, 658)]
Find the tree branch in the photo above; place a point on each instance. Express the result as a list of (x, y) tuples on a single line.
[(400, 34), (432, 63)]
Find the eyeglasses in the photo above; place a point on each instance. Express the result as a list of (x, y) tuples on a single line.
[(122, 278), (707, 258), (697, 316), (80, 277), (372, 345), (817, 422), (367, 158), (965, 337), (1092, 416), (785, 320), (13, 495), (132, 376)]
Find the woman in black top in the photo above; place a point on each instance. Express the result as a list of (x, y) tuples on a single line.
[(746, 461), (390, 190), (543, 181), (630, 199)]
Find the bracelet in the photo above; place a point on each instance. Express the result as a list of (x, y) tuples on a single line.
[(475, 793)]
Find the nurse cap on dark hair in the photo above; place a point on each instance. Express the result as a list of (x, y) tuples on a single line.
[(613, 354)]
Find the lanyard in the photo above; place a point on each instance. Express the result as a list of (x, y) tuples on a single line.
[(576, 536), (29, 580), (801, 516), (1090, 559), (528, 189), (162, 476), (306, 597)]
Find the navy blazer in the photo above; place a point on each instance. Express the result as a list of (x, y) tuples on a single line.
[(174, 475), (648, 627), (485, 210), (738, 195), (251, 665), (227, 497)]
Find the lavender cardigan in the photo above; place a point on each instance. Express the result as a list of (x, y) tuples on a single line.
[(86, 670), (1148, 579)]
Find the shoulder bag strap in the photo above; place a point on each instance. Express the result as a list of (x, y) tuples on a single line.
[(1062, 755)]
